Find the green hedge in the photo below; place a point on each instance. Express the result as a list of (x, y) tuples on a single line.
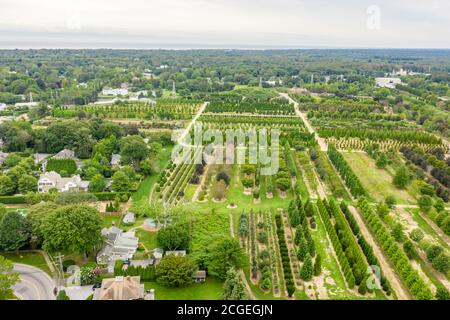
[(101, 196), (104, 196), (58, 165), (13, 199), (146, 274)]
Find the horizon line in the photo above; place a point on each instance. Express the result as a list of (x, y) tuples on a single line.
[(243, 48)]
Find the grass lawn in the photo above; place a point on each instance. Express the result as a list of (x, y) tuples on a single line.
[(416, 215), (147, 184), (35, 259), (337, 289), (377, 182), (147, 238), (190, 190), (144, 188), (209, 290), (108, 220)]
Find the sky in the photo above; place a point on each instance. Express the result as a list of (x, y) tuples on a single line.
[(183, 24)]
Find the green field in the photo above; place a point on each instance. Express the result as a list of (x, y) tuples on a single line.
[(147, 238), (147, 184), (377, 182)]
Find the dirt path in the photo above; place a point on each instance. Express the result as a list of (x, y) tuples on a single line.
[(320, 187), (396, 285), (191, 123), (251, 296), (231, 225), (322, 143), (408, 216), (410, 224)]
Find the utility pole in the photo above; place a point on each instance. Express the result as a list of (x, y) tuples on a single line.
[(60, 258)]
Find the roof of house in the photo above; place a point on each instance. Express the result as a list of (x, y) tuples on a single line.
[(115, 159), (40, 156), (142, 263), (59, 181), (120, 288), (129, 217), (65, 154), (118, 243), (3, 157), (200, 274)]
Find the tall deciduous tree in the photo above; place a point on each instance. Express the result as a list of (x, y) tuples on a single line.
[(224, 254), (74, 228), (174, 237), (98, 183), (133, 149), (6, 185), (120, 182), (15, 231), (175, 271), (27, 183)]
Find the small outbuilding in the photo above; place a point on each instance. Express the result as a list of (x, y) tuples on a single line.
[(199, 276), (129, 218)]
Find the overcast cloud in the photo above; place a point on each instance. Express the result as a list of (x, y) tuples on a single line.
[(224, 23)]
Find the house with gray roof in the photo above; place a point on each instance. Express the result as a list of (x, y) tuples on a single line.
[(119, 245), (65, 154)]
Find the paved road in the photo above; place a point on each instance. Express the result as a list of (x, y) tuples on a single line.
[(34, 283)]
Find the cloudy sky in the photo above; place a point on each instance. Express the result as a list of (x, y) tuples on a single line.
[(224, 23)]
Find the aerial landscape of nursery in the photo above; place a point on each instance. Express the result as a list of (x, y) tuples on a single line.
[(103, 184)]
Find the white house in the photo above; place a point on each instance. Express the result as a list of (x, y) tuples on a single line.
[(52, 179), (119, 245), (114, 92)]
